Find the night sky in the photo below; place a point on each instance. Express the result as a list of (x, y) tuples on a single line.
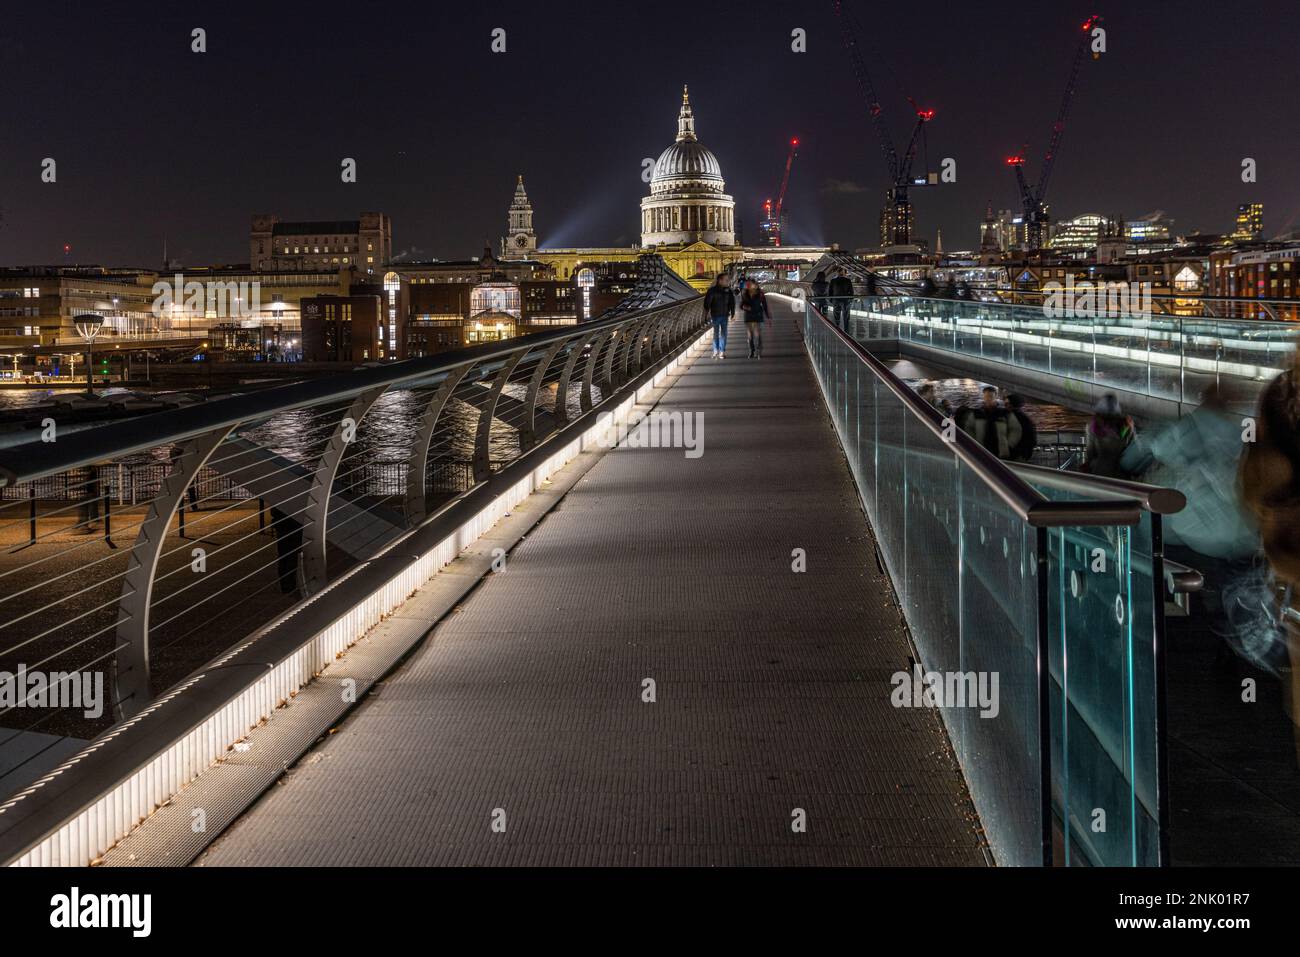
[(153, 140)]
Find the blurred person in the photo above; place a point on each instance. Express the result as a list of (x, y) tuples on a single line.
[(987, 424), (1022, 434), (720, 306), (88, 507), (1215, 533), (1109, 433), (841, 293), (930, 394), (1270, 484), (753, 306), (820, 290)]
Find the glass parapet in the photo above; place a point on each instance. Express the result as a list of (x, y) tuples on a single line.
[(1062, 763)]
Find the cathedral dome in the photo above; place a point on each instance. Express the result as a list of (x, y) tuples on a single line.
[(687, 159), (686, 202)]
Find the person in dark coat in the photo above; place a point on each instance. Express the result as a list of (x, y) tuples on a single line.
[(1022, 433), (720, 306), (841, 294), (820, 290), (753, 306), (988, 424)]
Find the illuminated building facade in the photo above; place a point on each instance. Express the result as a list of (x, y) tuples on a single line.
[(342, 328), (366, 243), (1147, 230), (895, 220), (1250, 223), (1082, 232), (1258, 274)]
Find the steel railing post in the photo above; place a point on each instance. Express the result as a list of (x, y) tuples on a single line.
[(131, 662), (603, 340), (414, 504), (528, 428), (483, 437), (316, 518), (576, 349)]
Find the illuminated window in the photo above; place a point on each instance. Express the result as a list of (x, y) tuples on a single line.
[(392, 285), (495, 297), (586, 280)]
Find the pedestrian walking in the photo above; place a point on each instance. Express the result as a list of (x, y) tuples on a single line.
[(987, 424), (1022, 434), (720, 306), (841, 295), (820, 290), (753, 306), (1110, 432)]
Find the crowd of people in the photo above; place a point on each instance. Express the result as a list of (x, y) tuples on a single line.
[(1000, 425)]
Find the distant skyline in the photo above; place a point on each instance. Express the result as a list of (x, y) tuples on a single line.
[(152, 140)]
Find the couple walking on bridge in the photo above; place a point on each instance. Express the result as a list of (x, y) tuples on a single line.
[(720, 306)]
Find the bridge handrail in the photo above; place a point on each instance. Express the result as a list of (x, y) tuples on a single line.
[(37, 459), (1029, 504), (1154, 498), (1226, 320)]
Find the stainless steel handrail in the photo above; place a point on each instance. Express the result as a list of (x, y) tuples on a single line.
[(998, 303), (37, 459), (1031, 505), (1154, 498)]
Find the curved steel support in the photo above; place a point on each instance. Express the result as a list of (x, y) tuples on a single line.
[(657, 337), (482, 441), (588, 373), (656, 340), (131, 661), (414, 504), (562, 389), (632, 356), (606, 380), (316, 515), (528, 430)]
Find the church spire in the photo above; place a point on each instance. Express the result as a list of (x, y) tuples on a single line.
[(521, 241), (686, 118)]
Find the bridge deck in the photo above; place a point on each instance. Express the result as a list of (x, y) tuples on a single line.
[(772, 686)]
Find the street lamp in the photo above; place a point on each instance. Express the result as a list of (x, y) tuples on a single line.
[(88, 325)]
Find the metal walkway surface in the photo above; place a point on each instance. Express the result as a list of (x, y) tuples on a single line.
[(517, 733)]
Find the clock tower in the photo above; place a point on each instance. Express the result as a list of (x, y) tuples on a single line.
[(520, 241)]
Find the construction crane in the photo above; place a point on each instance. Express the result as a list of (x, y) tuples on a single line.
[(1033, 199), (899, 210), (772, 222)]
